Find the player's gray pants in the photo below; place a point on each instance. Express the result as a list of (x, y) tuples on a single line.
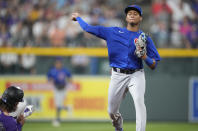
[(59, 97), (135, 83)]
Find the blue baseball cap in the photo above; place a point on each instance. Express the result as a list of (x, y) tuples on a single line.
[(59, 58), (133, 7)]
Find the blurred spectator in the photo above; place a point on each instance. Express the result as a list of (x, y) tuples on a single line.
[(57, 36), (80, 63), (161, 23), (20, 34), (195, 19), (176, 37), (27, 62), (39, 30), (72, 32), (159, 34), (192, 37), (85, 39), (185, 26), (111, 18), (194, 4), (161, 9), (4, 34), (180, 10), (35, 13), (8, 62)]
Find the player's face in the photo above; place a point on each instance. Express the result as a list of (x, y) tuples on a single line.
[(58, 64), (133, 17)]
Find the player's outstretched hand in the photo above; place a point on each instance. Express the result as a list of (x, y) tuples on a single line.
[(74, 16)]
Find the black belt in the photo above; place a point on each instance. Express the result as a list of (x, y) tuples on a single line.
[(125, 71)]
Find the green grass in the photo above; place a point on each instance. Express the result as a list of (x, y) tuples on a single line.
[(101, 126)]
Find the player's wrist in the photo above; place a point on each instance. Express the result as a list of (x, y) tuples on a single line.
[(77, 18), (149, 61), (21, 120), (144, 57)]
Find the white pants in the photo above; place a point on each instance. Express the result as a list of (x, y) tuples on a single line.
[(135, 83), (59, 97)]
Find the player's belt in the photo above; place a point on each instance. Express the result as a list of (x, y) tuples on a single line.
[(125, 71)]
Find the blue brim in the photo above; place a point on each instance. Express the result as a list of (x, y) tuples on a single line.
[(132, 8)]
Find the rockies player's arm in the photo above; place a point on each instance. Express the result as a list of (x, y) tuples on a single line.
[(14, 126), (20, 122), (19, 126)]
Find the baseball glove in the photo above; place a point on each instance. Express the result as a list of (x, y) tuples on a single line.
[(141, 45)]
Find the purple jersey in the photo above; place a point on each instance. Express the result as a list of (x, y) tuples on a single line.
[(9, 123)]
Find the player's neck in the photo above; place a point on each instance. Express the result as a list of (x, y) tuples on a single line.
[(5, 112), (133, 28)]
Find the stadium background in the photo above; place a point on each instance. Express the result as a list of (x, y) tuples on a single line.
[(33, 33)]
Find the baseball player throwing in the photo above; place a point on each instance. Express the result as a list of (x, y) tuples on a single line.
[(127, 49)]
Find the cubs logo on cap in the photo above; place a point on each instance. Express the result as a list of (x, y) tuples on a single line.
[(133, 7)]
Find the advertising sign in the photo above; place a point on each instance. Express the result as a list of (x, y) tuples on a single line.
[(86, 97)]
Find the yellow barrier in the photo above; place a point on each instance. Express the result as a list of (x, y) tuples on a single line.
[(178, 52), (99, 52)]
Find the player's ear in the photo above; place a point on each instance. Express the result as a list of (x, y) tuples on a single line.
[(141, 18)]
